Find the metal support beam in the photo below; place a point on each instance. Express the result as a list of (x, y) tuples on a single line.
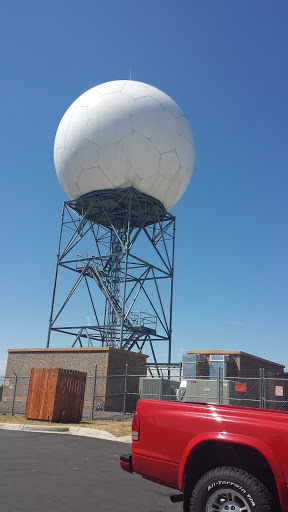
[(125, 240)]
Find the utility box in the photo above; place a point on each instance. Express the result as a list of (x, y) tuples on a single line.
[(158, 388), (56, 394)]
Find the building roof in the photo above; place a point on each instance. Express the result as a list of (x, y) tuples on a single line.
[(75, 349)]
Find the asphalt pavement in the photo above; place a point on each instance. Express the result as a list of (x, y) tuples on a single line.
[(42, 472)]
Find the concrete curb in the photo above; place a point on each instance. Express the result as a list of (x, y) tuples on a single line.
[(100, 434), (75, 431), (45, 428), (11, 426), (33, 428)]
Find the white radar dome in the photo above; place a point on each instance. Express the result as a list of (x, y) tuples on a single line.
[(121, 134)]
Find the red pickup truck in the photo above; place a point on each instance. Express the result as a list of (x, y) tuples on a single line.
[(222, 458)]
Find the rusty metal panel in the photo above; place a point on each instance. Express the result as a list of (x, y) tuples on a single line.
[(56, 394)]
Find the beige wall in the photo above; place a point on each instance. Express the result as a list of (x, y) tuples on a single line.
[(110, 361)]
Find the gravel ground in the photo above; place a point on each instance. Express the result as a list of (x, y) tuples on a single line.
[(112, 416)]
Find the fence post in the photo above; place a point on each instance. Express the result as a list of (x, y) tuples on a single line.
[(220, 385), (161, 392), (94, 388), (264, 389), (14, 394), (125, 388), (261, 388)]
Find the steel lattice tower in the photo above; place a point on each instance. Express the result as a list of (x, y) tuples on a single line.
[(118, 246)]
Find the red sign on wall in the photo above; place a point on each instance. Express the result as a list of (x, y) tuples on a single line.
[(240, 386)]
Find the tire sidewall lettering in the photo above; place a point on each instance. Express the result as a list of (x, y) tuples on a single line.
[(239, 488)]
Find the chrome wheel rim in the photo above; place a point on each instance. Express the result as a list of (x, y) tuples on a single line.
[(227, 500)]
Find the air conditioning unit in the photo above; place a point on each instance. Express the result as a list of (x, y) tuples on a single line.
[(194, 365), (158, 388), (207, 390)]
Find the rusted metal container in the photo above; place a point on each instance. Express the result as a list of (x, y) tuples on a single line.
[(56, 394)]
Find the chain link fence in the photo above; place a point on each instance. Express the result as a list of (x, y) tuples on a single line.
[(121, 392)]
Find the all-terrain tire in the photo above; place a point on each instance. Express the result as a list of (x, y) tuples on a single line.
[(227, 488)]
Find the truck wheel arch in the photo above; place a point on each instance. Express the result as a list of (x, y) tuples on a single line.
[(206, 443)]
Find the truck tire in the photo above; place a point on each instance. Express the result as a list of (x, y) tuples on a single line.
[(229, 489)]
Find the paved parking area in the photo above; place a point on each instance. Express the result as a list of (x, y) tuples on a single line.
[(64, 473)]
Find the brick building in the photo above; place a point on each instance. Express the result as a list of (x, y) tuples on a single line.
[(111, 365), (235, 363), (268, 388)]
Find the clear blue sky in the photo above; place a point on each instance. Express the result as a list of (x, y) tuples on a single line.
[(225, 64)]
